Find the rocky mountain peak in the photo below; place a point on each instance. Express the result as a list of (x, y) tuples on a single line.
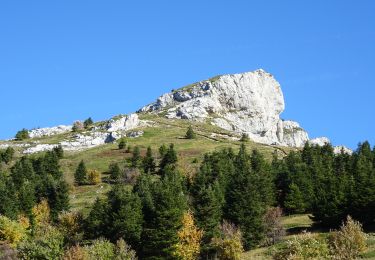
[(249, 102)]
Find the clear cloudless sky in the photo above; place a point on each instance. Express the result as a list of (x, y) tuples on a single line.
[(67, 60)]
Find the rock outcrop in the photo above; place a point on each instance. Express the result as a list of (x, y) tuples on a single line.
[(107, 132), (248, 103), (48, 131)]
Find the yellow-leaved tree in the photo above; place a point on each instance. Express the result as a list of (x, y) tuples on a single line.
[(188, 247), (41, 213), (93, 177)]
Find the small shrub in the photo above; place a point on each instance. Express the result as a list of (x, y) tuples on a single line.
[(101, 249), (274, 229), (305, 246), (122, 144), (7, 155), (77, 126), (41, 213), (11, 231), (76, 253), (59, 151), (7, 252), (70, 224), (22, 134), (93, 177), (47, 243), (244, 137), (229, 245), (124, 251), (348, 242)]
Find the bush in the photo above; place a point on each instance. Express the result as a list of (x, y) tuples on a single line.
[(11, 231), (77, 126), (7, 252), (101, 249), (122, 144), (88, 123), (190, 134), (274, 229), (124, 251), (47, 243), (22, 134), (76, 253), (41, 213), (229, 245), (349, 241), (7, 155), (305, 246), (244, 137), (70, 224), (93, 177)]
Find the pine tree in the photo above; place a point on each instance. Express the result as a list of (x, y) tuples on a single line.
[(80, 174), (22, 135), (162, 150), (98, 221), (160, 234), (244, 138), (9, 206), (7, 155), (88, 123), (122, 144), (59, 151), (190, 134), (22, 171), (114, 172), (135, 160), (144, 189), (126, 215), (169, 159), (244, 203), (148, 162), (294, 201)]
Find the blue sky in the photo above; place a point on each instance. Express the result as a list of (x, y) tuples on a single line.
[(67, 60)]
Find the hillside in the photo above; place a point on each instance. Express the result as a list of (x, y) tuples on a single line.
[(243, 164)]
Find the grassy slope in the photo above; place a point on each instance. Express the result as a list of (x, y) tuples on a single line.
[(165, 131)]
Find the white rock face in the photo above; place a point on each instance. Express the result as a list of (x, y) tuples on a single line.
[(342, 149), (243, 103), (40, 148), (112, 130), (321, 141), (85, 141), (48, 131), (293, 134), (124, 123)]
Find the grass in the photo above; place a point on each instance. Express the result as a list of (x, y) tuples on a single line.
[(165, 131)]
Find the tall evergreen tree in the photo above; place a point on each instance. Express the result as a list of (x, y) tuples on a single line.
[(245, 205), (80, 174), (126, 215), (114, 172), (160, 234), (135, 160), (148, 163), (169, 159)]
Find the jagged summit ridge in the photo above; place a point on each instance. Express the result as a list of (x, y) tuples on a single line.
[(248, 102)]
